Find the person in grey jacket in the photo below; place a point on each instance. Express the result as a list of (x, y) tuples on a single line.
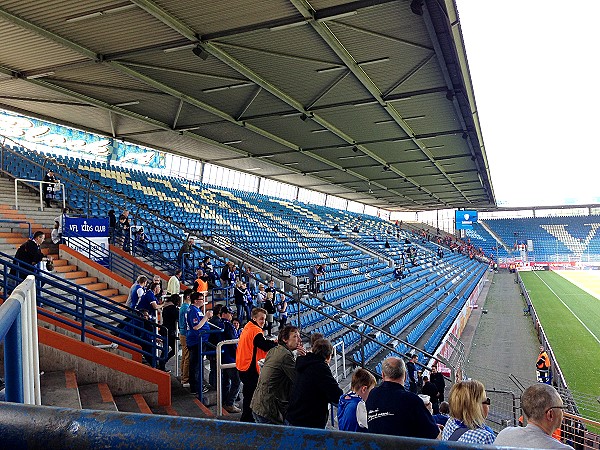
[(270, 399)]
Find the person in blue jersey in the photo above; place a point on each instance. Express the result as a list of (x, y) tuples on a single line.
[(352, 410), (197, 326), (150, 301), (469, 406), (185, 353)]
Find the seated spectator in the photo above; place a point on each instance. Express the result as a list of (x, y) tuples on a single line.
[(314, 388), (442, 417), (393, 410), (469, 406), (140, 240), (277, 376), (352, 410), (543, 408)]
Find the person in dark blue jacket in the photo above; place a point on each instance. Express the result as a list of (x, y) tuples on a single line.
[(231, 377), (314, 388), (393, 410), (352, 411)]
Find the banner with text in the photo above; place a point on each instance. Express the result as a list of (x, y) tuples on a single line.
[(88, 236)]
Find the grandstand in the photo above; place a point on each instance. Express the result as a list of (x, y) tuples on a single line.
[(199, 130)]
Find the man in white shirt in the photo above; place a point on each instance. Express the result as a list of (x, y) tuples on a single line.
[(543, 408), (174, 286)]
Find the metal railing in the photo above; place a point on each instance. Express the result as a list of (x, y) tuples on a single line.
[(9, 221), (18, 330), (79, 308), (220, 367), (41, 184)]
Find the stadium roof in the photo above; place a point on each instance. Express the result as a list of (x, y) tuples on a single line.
[(366, 100)]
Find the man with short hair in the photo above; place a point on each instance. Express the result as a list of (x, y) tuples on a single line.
[(29, 253), (136, 292), (411, 370), (185, 353), (184, 256), (394, 411), (174, 286), (230, 376), (543, 408), (197, 327)]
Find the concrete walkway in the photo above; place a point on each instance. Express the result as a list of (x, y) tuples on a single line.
[(504, 341)]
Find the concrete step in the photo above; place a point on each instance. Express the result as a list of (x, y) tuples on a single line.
[(66, 268), (97, 396), (75, 274), (9, 234), (122, 298), (132, 403), (95, 286), (109, 293), (60, 262), (60, 389)]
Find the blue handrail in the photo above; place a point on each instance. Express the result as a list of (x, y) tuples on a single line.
[(87, 308), (10, 333)]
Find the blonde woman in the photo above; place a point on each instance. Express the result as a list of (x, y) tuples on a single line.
[(469, 406)]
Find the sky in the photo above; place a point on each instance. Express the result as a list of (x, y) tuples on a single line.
[(535, 70)]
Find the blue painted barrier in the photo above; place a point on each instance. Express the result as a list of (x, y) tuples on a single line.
[(49, 428)]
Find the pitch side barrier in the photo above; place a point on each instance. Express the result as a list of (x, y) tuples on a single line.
[(49, 428)]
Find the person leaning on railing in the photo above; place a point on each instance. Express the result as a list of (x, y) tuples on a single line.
[(29, 253)]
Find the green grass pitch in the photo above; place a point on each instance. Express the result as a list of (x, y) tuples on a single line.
[(571, 320)]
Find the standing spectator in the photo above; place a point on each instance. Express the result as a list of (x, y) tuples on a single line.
[(185, 353), (112, 224), (247, 277), (209, 269), (213, 339), (184, 257), (174, 285), (352, 410), (437, 378), (393, 410), (270, 399), (201, 283), (196, 328), (411, 370), (240, 295), (251, 348), (282, 310), (314, 388), (61, 221), (29, 254), (543, 408), (469, 406), (55, 233), (170, 316), (261, 296), (430, 389), (150, 301), (313, 274), (230, 376), (136, 292), (49, 187), (123, 227), (270, 308)]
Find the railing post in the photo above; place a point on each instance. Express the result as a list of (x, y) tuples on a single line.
[(14, 370)]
